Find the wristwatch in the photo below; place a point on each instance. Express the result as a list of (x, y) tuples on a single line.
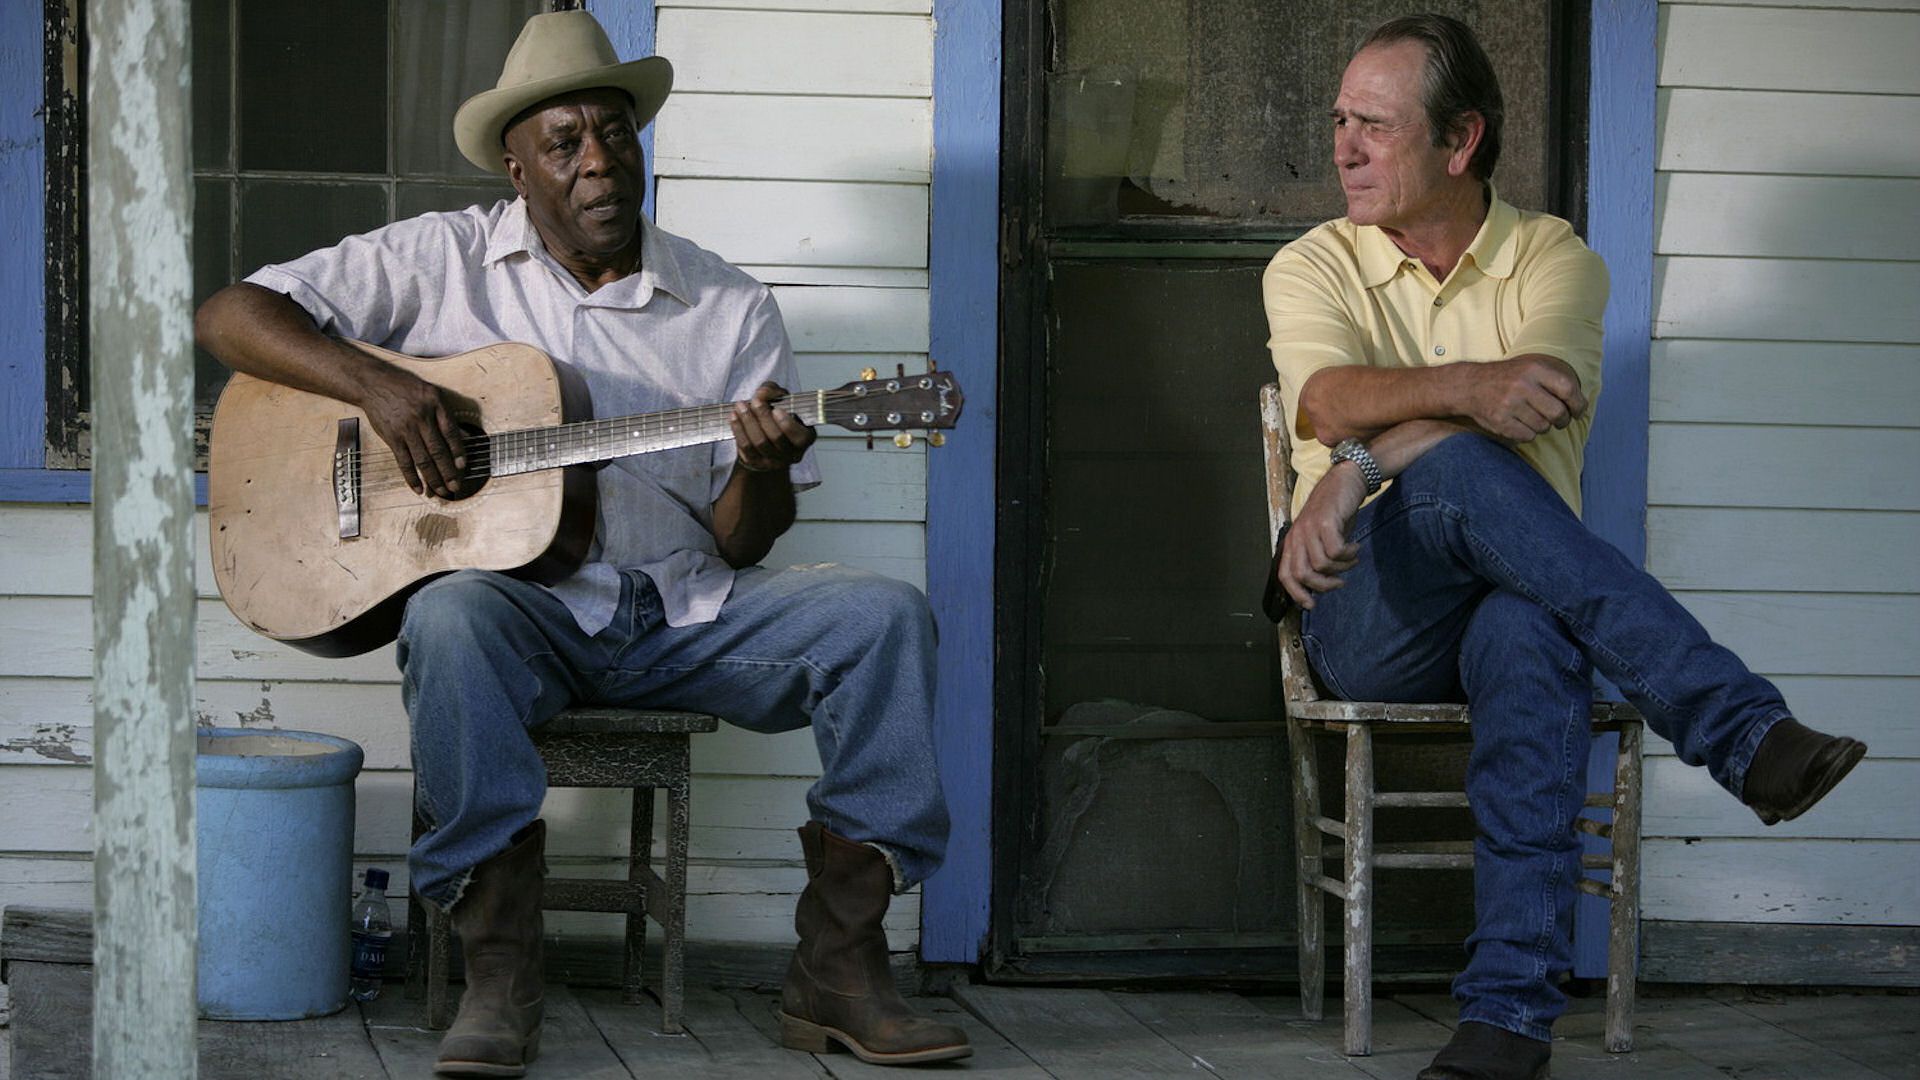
[(1356, 451)]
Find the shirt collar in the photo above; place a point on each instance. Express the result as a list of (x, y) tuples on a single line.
[(1492, 249), (659, 267)]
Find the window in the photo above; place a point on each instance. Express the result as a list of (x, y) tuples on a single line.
[(311, 121)]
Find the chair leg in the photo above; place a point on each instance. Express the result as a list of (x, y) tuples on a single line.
[(1308, 867), (1359, 905), (673, 975), (639, 856), (1623, 943), (439, 960)]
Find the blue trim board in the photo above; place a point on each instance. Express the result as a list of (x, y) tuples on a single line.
[(964, 276), (630, 26), (23, 325), (1613, 488)]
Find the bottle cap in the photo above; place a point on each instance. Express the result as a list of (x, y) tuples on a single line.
[(376, 878)]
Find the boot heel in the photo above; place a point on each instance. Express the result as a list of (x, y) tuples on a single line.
[(798, 1034), (533, 1047)]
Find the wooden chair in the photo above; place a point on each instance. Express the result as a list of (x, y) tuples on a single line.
[(596, 747), (1359, 723)]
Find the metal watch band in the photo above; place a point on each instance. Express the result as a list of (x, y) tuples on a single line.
[(1356, 451)]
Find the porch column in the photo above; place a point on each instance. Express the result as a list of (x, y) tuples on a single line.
[(140, 339)]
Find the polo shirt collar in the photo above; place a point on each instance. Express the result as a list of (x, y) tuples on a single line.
[(659, 267), (1493, 249)]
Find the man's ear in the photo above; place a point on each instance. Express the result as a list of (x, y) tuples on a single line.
[(1464, 141), (516, 174)]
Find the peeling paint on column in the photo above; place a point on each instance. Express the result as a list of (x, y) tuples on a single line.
[(140, 342)]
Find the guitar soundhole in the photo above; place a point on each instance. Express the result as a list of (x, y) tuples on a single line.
[(479, 467)]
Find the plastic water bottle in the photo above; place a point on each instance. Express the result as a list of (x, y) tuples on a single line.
[(372, 930)]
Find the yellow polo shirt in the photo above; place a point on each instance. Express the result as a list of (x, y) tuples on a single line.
[(1344, 294)]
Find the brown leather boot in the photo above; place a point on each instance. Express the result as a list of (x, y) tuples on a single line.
[(497, 1031), (1794, 767), (838, 987)]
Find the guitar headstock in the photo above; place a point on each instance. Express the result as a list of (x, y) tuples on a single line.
[(900, 402)]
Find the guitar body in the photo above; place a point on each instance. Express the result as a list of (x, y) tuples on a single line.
[(275, 523)]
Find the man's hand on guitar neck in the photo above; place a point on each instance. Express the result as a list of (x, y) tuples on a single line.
[(765, 434)]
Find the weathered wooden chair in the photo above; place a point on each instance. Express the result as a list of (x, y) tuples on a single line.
[(1359, 723), (615, 748)]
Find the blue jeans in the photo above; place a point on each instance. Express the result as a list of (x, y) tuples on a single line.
[(486, 658), (1476, 583)]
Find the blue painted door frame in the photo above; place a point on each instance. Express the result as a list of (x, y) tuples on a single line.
[(964, 277)]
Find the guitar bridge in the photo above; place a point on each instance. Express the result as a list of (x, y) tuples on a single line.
[(346, 476)]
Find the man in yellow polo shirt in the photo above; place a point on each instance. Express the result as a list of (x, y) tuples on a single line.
[(1439, 357)]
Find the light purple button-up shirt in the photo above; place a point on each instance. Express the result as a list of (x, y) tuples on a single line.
[(687, 329)]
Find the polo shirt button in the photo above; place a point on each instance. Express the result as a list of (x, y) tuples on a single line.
[(1437, 301), (1439, 350)]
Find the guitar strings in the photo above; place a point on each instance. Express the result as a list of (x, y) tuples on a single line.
[(382, 473)]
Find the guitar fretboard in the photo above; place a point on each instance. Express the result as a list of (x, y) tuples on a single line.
[(588, 441)]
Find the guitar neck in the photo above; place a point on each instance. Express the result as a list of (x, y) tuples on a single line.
[(588, 441)]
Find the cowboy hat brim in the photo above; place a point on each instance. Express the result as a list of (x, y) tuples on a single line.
[(480, 124)]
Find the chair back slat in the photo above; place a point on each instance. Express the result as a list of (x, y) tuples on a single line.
[(1295, 676)]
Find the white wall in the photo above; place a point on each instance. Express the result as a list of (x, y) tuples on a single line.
[(798, 145), (1784, 501)]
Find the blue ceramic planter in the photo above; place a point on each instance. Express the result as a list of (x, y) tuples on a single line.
[(275, 832)]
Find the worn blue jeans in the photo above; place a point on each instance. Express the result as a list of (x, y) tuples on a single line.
[(486, 658), (1476, 583)]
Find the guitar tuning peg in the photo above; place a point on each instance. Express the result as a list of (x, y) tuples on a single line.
[(903, 439), (869, 440), (869, 373), (931, 366), (900, 370), (936, 438)]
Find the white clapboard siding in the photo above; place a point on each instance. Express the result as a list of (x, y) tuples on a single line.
[(1878, 710), (1814, 633), (1848, 882), (830, 319), (1803, 467), (751, 904), (1764, 131), (1754, 49), (48, 808), (1801, 217), (1888, 5), (778, 137), (1786, 382), (801, 222), (882, 277), (880, 7), (1692, 805), (778, 52), (1784, 550), (1787, 299)]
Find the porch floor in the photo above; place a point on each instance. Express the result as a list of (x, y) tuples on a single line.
[(1027, 1033)]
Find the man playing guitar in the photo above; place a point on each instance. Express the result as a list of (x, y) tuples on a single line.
[(669, 608)]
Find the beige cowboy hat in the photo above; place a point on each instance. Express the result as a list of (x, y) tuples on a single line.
[(556, 53)]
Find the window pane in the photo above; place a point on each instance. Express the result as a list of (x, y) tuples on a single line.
[(284, 219), (313, 87), (446, 51), (1216, 108), (212, 255), (212, 84), (415, 198)]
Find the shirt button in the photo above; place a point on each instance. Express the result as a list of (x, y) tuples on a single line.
[(1436, 301), (1439, 350)]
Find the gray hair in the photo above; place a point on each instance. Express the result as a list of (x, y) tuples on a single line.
[(1459, 79)]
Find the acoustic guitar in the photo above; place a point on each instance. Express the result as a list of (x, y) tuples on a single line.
[(318, 542)]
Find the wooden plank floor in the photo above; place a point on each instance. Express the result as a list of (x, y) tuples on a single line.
[(1020, 1034)]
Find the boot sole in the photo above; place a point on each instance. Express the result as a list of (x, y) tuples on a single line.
[(798, 1034), (1836, 771), (492, 1068)]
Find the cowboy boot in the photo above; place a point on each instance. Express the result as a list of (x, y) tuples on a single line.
[(1483, 1052), (1794, 768), (839, 989), (497, 1031)]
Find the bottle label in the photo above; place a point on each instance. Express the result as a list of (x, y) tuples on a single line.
[(370, 952)]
